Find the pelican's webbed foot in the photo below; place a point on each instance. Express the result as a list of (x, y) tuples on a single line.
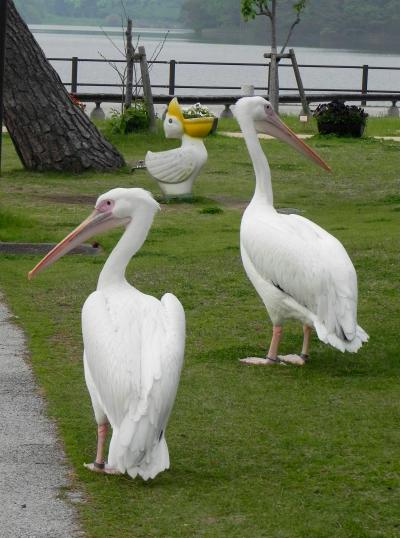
[(267, 361), (298, 360), (101, 468)]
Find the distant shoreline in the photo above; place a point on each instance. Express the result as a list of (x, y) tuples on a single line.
[(111, 30), (227, 37)]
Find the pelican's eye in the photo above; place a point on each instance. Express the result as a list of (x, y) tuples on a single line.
[(105, 205)]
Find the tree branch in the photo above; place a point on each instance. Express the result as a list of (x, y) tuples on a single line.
[(289, 35), (253, 8), (263, 9), (112, 41)]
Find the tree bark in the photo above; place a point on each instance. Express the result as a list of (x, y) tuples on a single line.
[(274, 76), (130, 51), (48, 130)]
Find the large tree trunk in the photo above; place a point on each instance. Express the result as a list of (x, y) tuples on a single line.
[(48, 130)]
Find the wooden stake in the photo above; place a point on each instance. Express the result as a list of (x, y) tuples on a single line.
[(306, 108), (148, 96), (129, 64)]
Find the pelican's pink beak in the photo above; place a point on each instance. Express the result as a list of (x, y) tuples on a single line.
[(274, 126), (97, 222)]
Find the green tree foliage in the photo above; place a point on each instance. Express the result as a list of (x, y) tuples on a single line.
[(252, 8), (354, 24), (349, 23), (198, 15), (152, 11), (269, 8)]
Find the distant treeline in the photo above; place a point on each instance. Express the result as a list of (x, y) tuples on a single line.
[(372, 24), (105, 12)]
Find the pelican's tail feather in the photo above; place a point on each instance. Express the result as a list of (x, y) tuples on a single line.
[(155, 462), (340, 343), (138, 459)]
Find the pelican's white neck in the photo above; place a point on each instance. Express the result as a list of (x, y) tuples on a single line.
[(263, 191), (132, 239)]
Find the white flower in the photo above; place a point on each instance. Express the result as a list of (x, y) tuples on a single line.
[(197, 111)]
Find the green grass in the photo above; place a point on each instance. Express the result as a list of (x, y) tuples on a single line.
[(255, 452)]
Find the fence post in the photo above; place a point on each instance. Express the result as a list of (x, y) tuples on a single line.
[(172, 64), (74, 75), (364, 86)]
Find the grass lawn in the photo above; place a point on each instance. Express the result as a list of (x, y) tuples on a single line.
[(279, 452), (376, 126)]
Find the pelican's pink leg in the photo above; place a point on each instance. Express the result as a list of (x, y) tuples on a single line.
[(272, 357), (99, 464), (303, 356), (276, 338), (102, 430), (306, 342)]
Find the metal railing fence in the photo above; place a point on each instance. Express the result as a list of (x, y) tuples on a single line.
[(172, 86)]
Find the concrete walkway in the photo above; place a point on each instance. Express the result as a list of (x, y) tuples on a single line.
[(32, 470)]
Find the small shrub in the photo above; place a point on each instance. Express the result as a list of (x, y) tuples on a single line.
[(340, 119), (134, 118)]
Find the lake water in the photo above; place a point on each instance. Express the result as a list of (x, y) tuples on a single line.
[(91, 42)]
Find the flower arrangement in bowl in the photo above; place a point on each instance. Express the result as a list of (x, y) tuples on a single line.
[(340, 119), (199, 120), (197, 111)]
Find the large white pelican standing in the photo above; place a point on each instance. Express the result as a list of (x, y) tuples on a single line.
[(299, 270), (133, 343)]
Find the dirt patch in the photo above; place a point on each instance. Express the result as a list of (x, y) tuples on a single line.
[(234, 203), (226, 201), (231, 203), (84, 199), (43, 248)]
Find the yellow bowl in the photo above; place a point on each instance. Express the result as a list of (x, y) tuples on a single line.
[(198, 127)]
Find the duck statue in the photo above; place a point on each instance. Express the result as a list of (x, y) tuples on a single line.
[(176, 169)]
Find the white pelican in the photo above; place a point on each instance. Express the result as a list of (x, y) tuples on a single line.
[(176, 169), (133, 343), (299, 270)]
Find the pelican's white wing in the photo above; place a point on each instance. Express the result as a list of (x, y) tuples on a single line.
[(173, 166), (310, 266), (134, 347)]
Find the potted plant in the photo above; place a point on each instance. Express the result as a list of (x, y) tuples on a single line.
[(340, 119), (199, 111)]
